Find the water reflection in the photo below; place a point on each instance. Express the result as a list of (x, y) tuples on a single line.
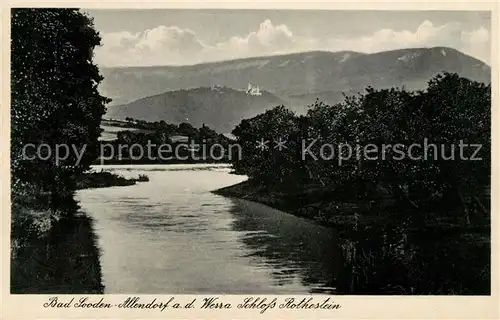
[(376, 259), (65, 261), (172, 235), (291, 246)]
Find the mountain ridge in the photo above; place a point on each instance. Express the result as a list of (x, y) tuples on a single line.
[(283, 55), (234, 60), (175, 94), (296, 73)]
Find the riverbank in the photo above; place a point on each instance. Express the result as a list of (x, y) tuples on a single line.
[(340, 209), (382, 252), (313, 203), (104, 179), (55, 251)]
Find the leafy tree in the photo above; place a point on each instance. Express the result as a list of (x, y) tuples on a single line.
[(54, 95), (450, 112), (258, 136)]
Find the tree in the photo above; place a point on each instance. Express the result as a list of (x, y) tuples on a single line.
[(458, 111), (267, 162), (54, 95), (450, 112)]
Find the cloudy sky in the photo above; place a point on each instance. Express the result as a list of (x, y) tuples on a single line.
[(183, 37)]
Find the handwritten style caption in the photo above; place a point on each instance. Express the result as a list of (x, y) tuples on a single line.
[(208, 303)]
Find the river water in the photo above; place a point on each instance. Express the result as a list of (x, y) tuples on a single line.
[(172, 235)]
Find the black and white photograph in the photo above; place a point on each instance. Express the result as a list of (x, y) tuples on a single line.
[(250, 152)]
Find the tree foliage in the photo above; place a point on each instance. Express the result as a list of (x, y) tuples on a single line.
[(54, 96), (451, 111)]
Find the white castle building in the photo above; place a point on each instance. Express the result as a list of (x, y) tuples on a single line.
[(253, 91)]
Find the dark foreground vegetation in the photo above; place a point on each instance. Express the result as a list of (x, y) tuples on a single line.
[(409, 226), (54, 101)]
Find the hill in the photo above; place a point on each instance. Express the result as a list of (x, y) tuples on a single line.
[(220, 108)]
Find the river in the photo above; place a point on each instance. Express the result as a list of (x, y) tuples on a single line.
[(172, 235)]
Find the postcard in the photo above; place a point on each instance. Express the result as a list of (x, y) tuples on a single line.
[(249, 160)]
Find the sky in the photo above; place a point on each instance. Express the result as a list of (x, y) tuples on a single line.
[(185, 37)]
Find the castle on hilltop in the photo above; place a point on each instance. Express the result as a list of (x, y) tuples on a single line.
[(253, 91)]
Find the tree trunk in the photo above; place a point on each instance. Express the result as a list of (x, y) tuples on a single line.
[(466, 209)]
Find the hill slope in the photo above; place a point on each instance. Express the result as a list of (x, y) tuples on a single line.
[(220, 108)]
